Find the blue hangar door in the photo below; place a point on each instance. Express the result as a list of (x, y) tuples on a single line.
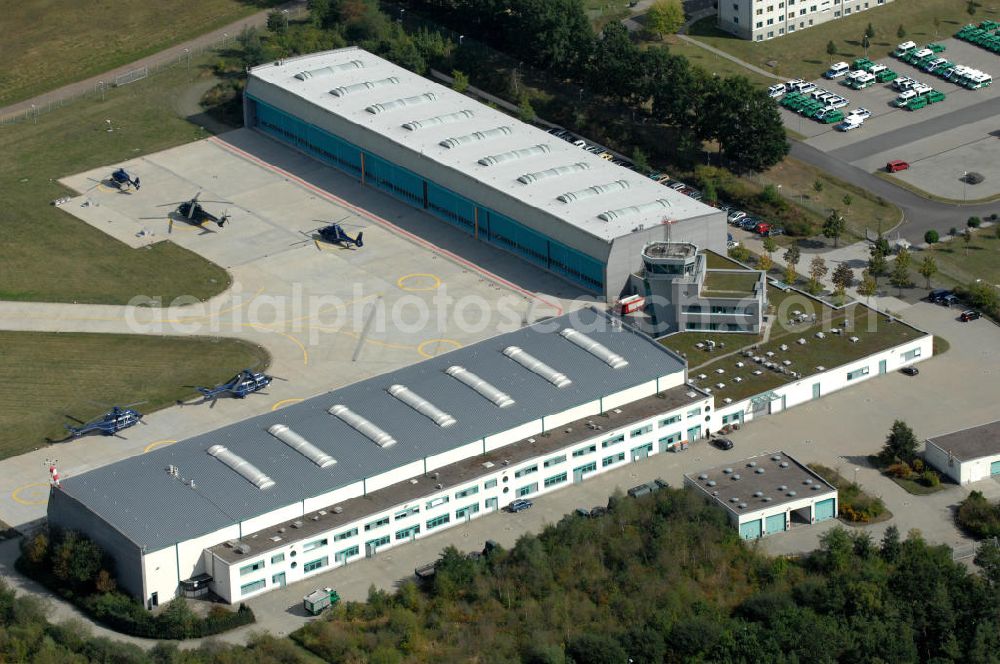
[(823, 510), (776, 523), (750, 529)]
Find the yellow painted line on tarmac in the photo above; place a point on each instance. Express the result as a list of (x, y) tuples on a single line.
[(402, 282), (16, 494), (233, 307), (345, 304), (158, 443), (448, 342), (265, 328), (284, 402)]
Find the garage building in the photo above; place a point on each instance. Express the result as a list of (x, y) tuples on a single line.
[(290, 494), (767, 494), (485, 173), (968, 455)]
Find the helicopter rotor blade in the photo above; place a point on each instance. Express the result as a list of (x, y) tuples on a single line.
[(75, 419), (137, 403)]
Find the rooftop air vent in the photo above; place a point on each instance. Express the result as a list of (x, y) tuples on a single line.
[(296, 524), (569, 169), (338, 509), (301, 445), (783, 464), (421, 405), (727, 471), (734, 499), (397, 104), (791, 493), (249, 471), (759, 471), (766, 499), (329, 71), (621, 213), (742, 506), (596, 190), (514, 155), (816, 487), (736, 476), (536, 366), (598, 350), (362, 425), (475, 137), (345, 90), (783, 487), (711, 483), (703, 476), (776, 457), (448, 118), (751, 464), (807, 481), (463, 375), (488, 464), (758, 494)]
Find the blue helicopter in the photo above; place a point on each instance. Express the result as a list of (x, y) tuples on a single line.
[(244, 383), (335, 234), (109, 424), (123, 180)]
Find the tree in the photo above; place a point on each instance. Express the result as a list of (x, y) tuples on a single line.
[(792, 257), (967, 239), (931, 237), (927, 268), (459, 81), (988, 560), (843, 278), (765, 262), (817, 270), (890, 547), (983, 296), (277, 21), (865, 43), (744, 121), (640, 160), (870, 31), (937, 26), (876, 265), (817, 185), (834, 226), (974, 222), (901, 31), (770, 246), (709, 193), (970, 7), (868, 286), (595, 649), (901, 444), (831, 49), (525, 111), (900, 277), (665, 17), (996, 231)]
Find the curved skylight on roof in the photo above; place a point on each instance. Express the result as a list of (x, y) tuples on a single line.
[(301, 445), (597, 349), (568, 169), (345, 90), (536, 366), (620, 213), (329, 71), (475, 137), (596, 190), (421, 405), (250, 472), (513, 155), (397, 104), (363, 426), (463, 375), (438, 120)]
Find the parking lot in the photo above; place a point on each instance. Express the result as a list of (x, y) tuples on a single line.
[(940, 141)]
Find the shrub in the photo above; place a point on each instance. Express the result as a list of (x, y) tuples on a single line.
[(930, 478), (931, 237), (977, 516), (918, 465), (974, 222), (901, 470), (953, 231)]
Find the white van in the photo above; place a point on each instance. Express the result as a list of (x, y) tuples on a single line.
[(837, 70), (904, 48), (776, 90)]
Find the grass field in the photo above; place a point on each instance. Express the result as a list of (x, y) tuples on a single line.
[(710, 62), (47, 254), (46, 376), (803, 54), (50, 43), (980, 261)]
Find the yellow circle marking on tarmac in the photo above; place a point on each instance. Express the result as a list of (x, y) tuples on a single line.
[(448, 342), (402, 282), (284, 402), (16, 494), (159, 443)]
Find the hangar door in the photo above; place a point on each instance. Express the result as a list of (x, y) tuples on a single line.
[(776, 523), (995, 468), (750, 530), (824, 510)]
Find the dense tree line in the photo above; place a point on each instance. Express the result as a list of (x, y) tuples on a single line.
[(665, 579)]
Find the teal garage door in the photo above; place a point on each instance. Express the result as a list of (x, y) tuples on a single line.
[(995, 468), (750, 530), (824, 510), (775, 523)]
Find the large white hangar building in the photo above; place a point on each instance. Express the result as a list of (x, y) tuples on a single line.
[(487, 174), (283, 496)]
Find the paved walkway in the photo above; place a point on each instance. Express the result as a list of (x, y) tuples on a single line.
[(161, 58), (731, 58)]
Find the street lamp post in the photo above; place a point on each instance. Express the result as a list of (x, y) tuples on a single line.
[(461, 38), (284, 13), (856, 475), (965, 184), (187, 53)]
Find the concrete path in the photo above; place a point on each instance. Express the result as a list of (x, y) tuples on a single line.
[(731, 58), (166, 56)]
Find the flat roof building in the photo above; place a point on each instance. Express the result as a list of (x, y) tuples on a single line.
[(967, 455), (485, 173), (272, 499), (766, 494)]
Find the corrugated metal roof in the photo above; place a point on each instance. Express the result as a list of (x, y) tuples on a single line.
[(457, 132), (139, 498)]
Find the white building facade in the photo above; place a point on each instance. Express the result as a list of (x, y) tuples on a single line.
[(760, 20), (968, 455)]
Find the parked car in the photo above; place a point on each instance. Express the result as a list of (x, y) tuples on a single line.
[(580, 143), (776, 90), (849, 124), (606, 156), (661, 483), (640, 490), (910, 371), (723, 443), (519, 505), (806, 88), (734, 216), (593, 149), (677, 186), (969, 314), (582, 511), (837, 70), (896, 165), (696, 195), (861, 113), (774, 231), (762, 228), (949, 300), (937, 294), (749, 223), (598, 511)]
